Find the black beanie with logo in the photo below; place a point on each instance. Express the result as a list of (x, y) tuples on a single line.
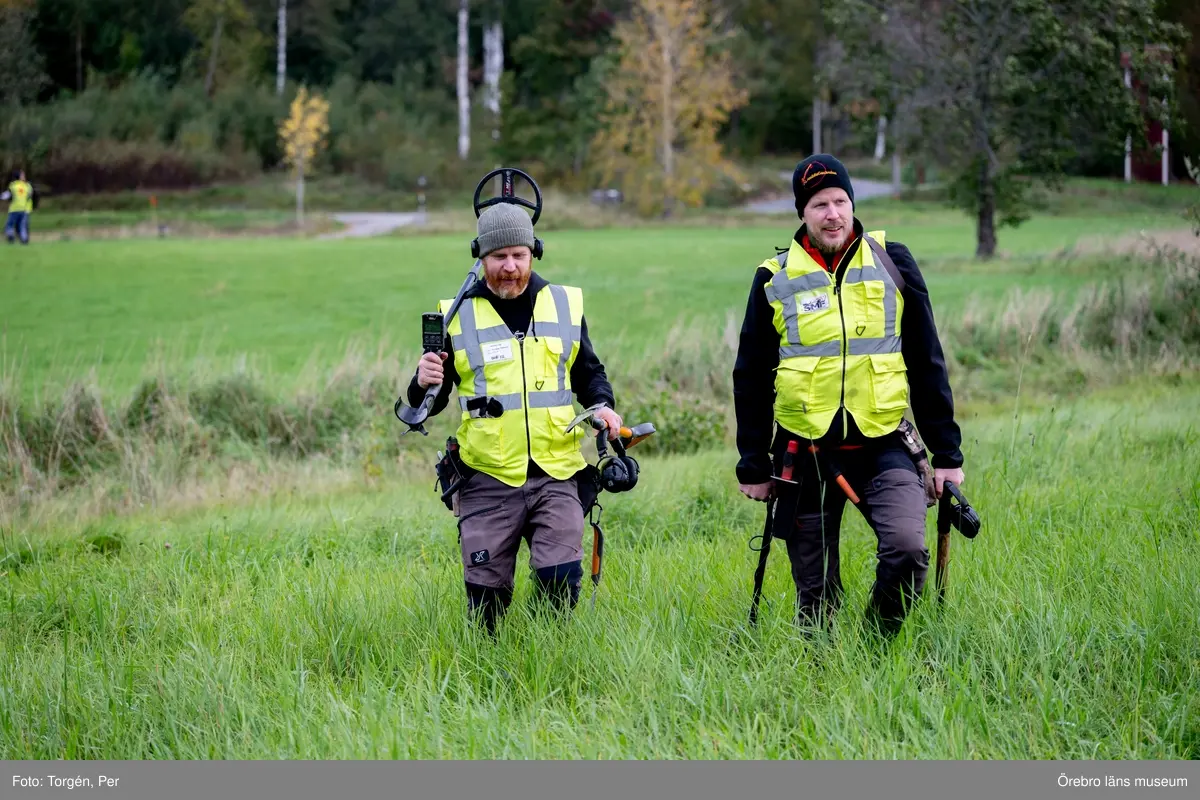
[(817, 172)]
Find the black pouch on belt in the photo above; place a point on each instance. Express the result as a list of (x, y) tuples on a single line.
[(587, 481), (916, 449), (452, 473)]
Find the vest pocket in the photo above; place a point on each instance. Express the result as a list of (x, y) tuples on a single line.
[(483, 442), (889, 381), (558, 442), (549, 370), (794, 384)]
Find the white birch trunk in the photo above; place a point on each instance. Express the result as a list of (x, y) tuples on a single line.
[(300, 191), (493, 65), (464, 100), (281, 50)]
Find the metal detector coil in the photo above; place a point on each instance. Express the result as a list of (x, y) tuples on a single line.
[(415, 418), (508, 195)]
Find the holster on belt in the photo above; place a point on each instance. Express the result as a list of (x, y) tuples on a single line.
[(916, 450), (452, 473)]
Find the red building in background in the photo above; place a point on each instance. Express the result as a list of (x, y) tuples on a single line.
[(1151, 164)]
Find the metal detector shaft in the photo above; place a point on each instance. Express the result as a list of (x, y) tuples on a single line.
[(415, 418)]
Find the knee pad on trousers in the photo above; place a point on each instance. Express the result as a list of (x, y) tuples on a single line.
[(488, 602), (561, 582)]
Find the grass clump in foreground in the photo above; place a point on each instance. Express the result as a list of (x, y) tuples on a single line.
[(332, 626)]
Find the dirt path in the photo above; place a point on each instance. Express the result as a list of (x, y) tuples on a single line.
[(372, 223), (864, 189)]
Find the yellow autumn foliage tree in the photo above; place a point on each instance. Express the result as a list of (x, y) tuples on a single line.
[(670, 93), (302, 134)]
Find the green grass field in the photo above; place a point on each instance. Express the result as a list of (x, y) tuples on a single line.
[(196, 594), (122, 307)]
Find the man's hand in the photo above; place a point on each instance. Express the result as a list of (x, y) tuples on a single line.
[(430, 371), (941, 475), (757, 491), (612, 419)]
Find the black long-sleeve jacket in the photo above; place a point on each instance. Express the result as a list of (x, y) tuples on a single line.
[(588, 378), (930, 397)]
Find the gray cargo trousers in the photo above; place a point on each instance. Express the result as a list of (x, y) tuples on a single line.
[(493, 519), (891, 496)]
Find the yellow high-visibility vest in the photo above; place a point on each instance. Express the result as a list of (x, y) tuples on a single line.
[(839, 346), (22, 197), (529, 377)]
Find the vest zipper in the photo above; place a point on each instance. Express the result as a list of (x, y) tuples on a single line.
[(837, 290), (525, 399)]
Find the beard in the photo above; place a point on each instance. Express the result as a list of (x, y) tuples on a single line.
[(827, 246), (508, 289)]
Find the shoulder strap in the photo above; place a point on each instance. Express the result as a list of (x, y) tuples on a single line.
[(883, 258)]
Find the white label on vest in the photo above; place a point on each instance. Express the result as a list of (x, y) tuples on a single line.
[(497, 351), (813, 303)]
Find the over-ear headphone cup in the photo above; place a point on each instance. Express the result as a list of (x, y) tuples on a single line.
[(634, 470), (538, 248), (618, 473)]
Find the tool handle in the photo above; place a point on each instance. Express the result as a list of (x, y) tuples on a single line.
[(597, 552), (842, 482), (789, 460)]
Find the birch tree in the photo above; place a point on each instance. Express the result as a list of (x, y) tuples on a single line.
[(672, 90), (464, 96), (493, 68), (281, 49), (303, 133)]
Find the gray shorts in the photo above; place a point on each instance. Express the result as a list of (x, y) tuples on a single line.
[(494, 517)]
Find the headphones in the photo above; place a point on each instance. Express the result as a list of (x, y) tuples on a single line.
[(537, 249), (618, 473), (508, 195)]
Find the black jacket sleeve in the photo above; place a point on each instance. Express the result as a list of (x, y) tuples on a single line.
[(416, 394), (928, 379), (588, 377), (754, 384)]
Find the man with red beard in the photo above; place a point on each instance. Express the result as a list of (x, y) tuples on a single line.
[(837, 341), (519, 354)]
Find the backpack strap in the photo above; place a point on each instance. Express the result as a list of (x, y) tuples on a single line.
[(883, 258)]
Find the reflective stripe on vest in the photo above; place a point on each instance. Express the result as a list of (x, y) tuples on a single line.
[(816, 377), (527, 379)]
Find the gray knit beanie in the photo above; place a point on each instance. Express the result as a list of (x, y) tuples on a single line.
[(503, 225)]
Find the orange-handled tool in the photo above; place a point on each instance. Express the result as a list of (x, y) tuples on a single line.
[(837, 475)]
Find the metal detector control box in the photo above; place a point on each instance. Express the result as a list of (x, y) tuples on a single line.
[(433, 333)]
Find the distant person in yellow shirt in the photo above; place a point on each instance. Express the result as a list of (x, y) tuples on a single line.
[(19, 195)]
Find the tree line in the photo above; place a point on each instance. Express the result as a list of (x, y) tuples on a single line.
[(657, 97)]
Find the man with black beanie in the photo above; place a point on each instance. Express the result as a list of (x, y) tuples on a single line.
[(837, 342)]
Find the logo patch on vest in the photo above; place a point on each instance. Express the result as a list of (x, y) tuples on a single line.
[(811, 304), (497, 351), (480, 557)]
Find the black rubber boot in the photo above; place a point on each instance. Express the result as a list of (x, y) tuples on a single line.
[(487, 604), (560, 584)]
